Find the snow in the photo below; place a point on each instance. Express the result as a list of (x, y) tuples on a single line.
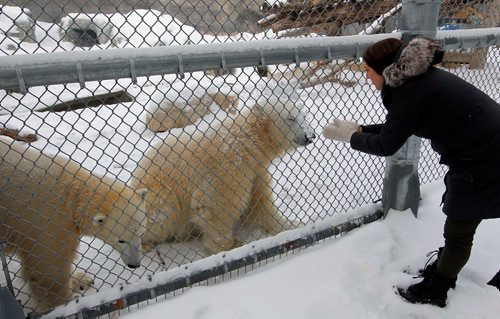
[(323, 184), (273, 2), (351, 276), (10, 15), (134, 29)]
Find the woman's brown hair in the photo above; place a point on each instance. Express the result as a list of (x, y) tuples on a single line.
[(381, 54)]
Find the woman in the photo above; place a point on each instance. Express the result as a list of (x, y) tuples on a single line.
[(463, 125)]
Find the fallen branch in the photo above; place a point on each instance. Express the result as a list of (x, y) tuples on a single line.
[(331, 29), (308, 81), (379, 23), (330, 78), (90, 101), (14, 134)]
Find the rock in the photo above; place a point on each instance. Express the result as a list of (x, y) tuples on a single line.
[(86, 30), (18, 23)]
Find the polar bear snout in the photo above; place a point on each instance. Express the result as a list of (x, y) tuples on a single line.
[(297, 124), (132, 261), (305, 139), (310, 137), (131, 253)]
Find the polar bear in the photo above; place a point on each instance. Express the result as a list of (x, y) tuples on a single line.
[(212, 182), (163, 114), (47, 203)]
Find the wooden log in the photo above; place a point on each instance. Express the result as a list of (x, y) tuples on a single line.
[(14, 134), (308, 79), (306, 19), (345, 12), (299, 15), (267, 21), (454, 58), (283, 8), (329, 78), (379, 23), (90, 101), (329, 28), (491, 18), (272, 18), (309, 73)]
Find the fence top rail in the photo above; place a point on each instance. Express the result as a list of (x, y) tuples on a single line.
[(192, 49), (27, 70), (231, 47)]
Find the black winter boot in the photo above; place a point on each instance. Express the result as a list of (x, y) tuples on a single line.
[(430, 268), (433, 289), (495, 281)]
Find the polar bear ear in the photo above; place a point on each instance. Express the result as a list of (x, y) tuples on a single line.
[(142, 192), (98, 219)]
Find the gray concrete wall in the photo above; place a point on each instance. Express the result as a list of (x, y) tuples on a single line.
[(213, 16)]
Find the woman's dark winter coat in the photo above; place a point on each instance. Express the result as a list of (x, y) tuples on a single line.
[(462, 123)]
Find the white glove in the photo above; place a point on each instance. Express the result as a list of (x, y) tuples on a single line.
[(340, 130)]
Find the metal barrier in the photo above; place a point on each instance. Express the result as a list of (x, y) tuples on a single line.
[(151, 287), (90, 94)]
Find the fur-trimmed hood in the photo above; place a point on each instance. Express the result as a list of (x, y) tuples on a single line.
[(415, 59)]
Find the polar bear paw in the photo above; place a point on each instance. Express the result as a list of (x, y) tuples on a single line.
[(237, 243), (80, 281)]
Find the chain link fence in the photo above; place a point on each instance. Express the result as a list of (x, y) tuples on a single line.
[(186, 164)]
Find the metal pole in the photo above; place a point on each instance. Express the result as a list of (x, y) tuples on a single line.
[(28, 70), (419, 17), (10, 308), (401, 183), (22, 71), (5, 269)]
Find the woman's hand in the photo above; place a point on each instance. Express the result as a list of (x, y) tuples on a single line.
[(341, 130)]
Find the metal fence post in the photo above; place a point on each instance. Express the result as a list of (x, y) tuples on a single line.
[(401, 183), (419, 17), (3, 245), (10, 308)]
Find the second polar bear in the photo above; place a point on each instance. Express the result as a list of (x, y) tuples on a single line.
[(211, 182), (47, 203)]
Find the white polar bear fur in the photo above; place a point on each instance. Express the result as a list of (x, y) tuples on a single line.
[(209, 183), (47, 203)]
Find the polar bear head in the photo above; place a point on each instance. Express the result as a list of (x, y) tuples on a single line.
[(121, 223), (289, 126)]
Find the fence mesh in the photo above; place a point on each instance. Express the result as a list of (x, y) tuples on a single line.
[(80, 156)]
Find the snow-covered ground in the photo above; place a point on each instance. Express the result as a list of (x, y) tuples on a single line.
[(351, 277), (139, 28), (326, 180)]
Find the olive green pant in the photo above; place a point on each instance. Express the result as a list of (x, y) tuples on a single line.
[(458, 237)]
